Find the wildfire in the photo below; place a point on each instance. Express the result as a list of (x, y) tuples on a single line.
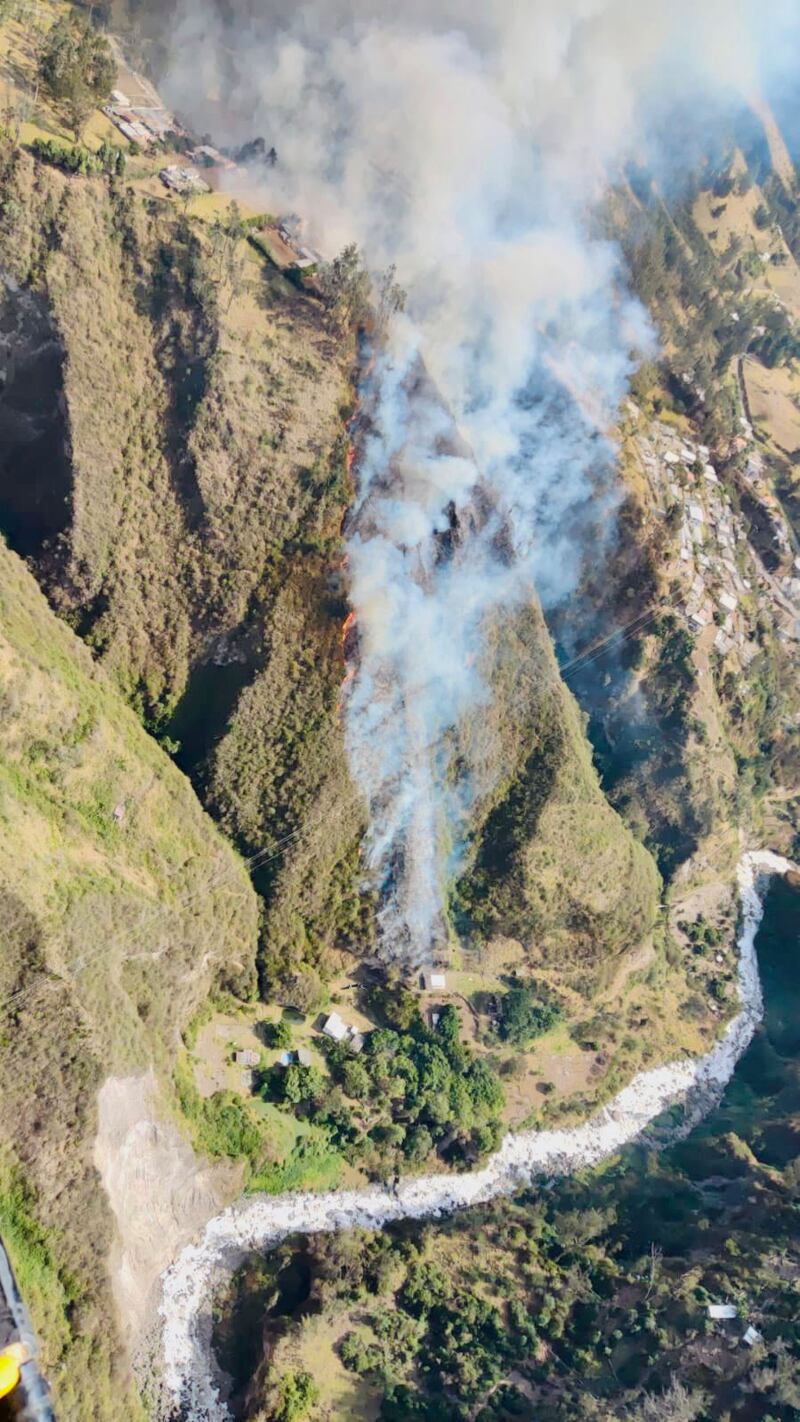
[(350, 661), (351, 457), (347, 626)]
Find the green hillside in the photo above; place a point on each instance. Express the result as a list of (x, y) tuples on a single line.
[(122, 908)]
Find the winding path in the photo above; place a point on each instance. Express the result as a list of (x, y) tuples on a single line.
[(261, 1222)]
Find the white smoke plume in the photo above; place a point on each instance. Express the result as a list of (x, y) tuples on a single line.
[(466, 143)]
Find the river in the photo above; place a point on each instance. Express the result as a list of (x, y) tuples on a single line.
[(690, 1088)]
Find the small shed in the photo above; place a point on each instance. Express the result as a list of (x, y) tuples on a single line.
[(285, 1059), (356, 1043), (304, 1057), (751, 1336), (247, 1058), (336, 1028), (722, 1310)]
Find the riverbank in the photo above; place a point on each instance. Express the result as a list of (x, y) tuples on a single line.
[(260, 1223)]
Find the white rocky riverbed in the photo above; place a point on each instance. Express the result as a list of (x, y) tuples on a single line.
[(260, 1221)]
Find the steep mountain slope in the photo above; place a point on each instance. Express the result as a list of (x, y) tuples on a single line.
[(550, 861), (198, 553), (121, 909), (174, 468), (192, 422), (693, 705)]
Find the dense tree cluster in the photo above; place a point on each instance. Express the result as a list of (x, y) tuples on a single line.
[(525, 1014), (414, 1090), (347, 292), (588, 1301), (75, 158), (77, 66)]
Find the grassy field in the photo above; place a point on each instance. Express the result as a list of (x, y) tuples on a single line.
[(774, 397), (722, 219)]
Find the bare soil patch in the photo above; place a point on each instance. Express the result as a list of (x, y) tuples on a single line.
[(160, 1193)]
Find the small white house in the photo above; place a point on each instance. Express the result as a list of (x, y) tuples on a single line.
[(336, 1028), (722, 1310), (434, 981)]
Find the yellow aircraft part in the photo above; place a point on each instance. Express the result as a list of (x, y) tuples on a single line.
[(11, 1360)]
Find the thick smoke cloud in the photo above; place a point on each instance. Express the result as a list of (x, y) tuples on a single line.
[(466, 143)]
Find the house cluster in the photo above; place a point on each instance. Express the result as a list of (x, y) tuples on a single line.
[(302, 1057), (250, 1060), (338, 1030), (142, 123), (433, 980), (208, 157), (284, 243), (728, 1313), (183, 180), (722, 573)]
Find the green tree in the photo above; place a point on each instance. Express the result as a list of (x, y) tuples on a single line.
[(345, 287), (302, 1084), (355, 1080), (524, 1016), (77, 66), (226, 265), (448, 1033), (426, 1286), (418, 1144), (390, 299), (485, 1091), (295, 1396), (278, 1034)]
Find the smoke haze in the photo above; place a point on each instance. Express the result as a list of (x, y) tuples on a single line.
[(467, 144)]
